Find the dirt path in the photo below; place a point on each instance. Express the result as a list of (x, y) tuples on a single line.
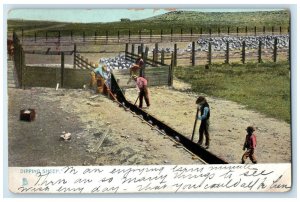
[(102, 133), (227, 125)]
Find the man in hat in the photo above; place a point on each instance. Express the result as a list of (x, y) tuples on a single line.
[(136, 68), (144, 92), (204, 109), (250, 145), (98, 77)]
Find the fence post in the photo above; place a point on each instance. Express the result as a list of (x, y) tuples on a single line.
[(237, 31), (106, 33), (259, 51), (280, 29), (21, 63), (209, 31), (288, 29), (83, 36), (126, 50), (228, 30), (72, 35), (275, 50), (171, 67), (209, 53), (142, 49), (181, 34), (95, 37), (193, 53), (62, 69), (140, 35), (75, 50), (246, 30), (139, 50), (162, 56), (132, 49), (156, 54), (272, 30), (129, 33), (175, 55), (171, 34), (22, 34), (219, 31), (264, 29), (34, 36), (255, 30), (118, 36), (58, 36), (150, 35), (161, 35), (191, 34), (46, 36), (227, 53), (243, 52), (201, 32)]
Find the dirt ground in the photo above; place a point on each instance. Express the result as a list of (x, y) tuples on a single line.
[(102, 133), (228, 121)]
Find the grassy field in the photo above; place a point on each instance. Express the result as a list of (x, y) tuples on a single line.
[(184, 20), (261, 87)]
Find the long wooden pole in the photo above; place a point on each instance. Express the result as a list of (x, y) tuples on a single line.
[(195, 124)]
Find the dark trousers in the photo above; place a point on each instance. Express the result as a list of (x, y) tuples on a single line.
[(249, 153), (204, 129), (144, 94)]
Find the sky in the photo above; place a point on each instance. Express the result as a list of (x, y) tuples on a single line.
[(99, 15)]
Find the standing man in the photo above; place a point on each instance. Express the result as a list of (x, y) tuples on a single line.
[(144, 92), (250, 145), (204, 117)]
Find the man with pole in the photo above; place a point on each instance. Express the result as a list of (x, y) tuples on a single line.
[(144, 92), (204, 109)]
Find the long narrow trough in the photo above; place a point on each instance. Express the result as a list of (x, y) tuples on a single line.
[(202, 153)]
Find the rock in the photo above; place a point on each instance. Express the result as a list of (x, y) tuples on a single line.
[(140, 139), (66, 136)]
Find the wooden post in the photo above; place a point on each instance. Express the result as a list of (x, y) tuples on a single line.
[(140, 35), (175, 55), (139, 50), (193, 53), (75, 52), (72, 35), (280, 29), (289, 53), (191, 34), (22, 34), (171, 67), (272, 30), (144, 56), (255, 30), (181, 34), (118, 36), (21, 63), (227, 53), (129, 33), (46, 36), (162, 57), (83, 36), (171, 34), (243, 52), (259, 52), (58, 36), (126, 50), (209, 53), (95, 37), (246, 30), (132, 49), (288, 29), (275, 50), (34, 36), (62, 68), (237, 31), (106, 32), (150, 35), (228, 30), (264, 29), (142, 49), (156, 53), (209, 31), (161, 35), (219, 31), (201, 32)]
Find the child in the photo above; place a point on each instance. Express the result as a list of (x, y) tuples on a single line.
[(250, 144)]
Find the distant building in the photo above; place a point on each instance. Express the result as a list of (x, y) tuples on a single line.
[(125, 20)]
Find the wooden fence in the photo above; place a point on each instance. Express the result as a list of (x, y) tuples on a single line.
[(127, 36)]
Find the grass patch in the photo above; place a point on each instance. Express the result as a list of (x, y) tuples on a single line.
[(261, 87)]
